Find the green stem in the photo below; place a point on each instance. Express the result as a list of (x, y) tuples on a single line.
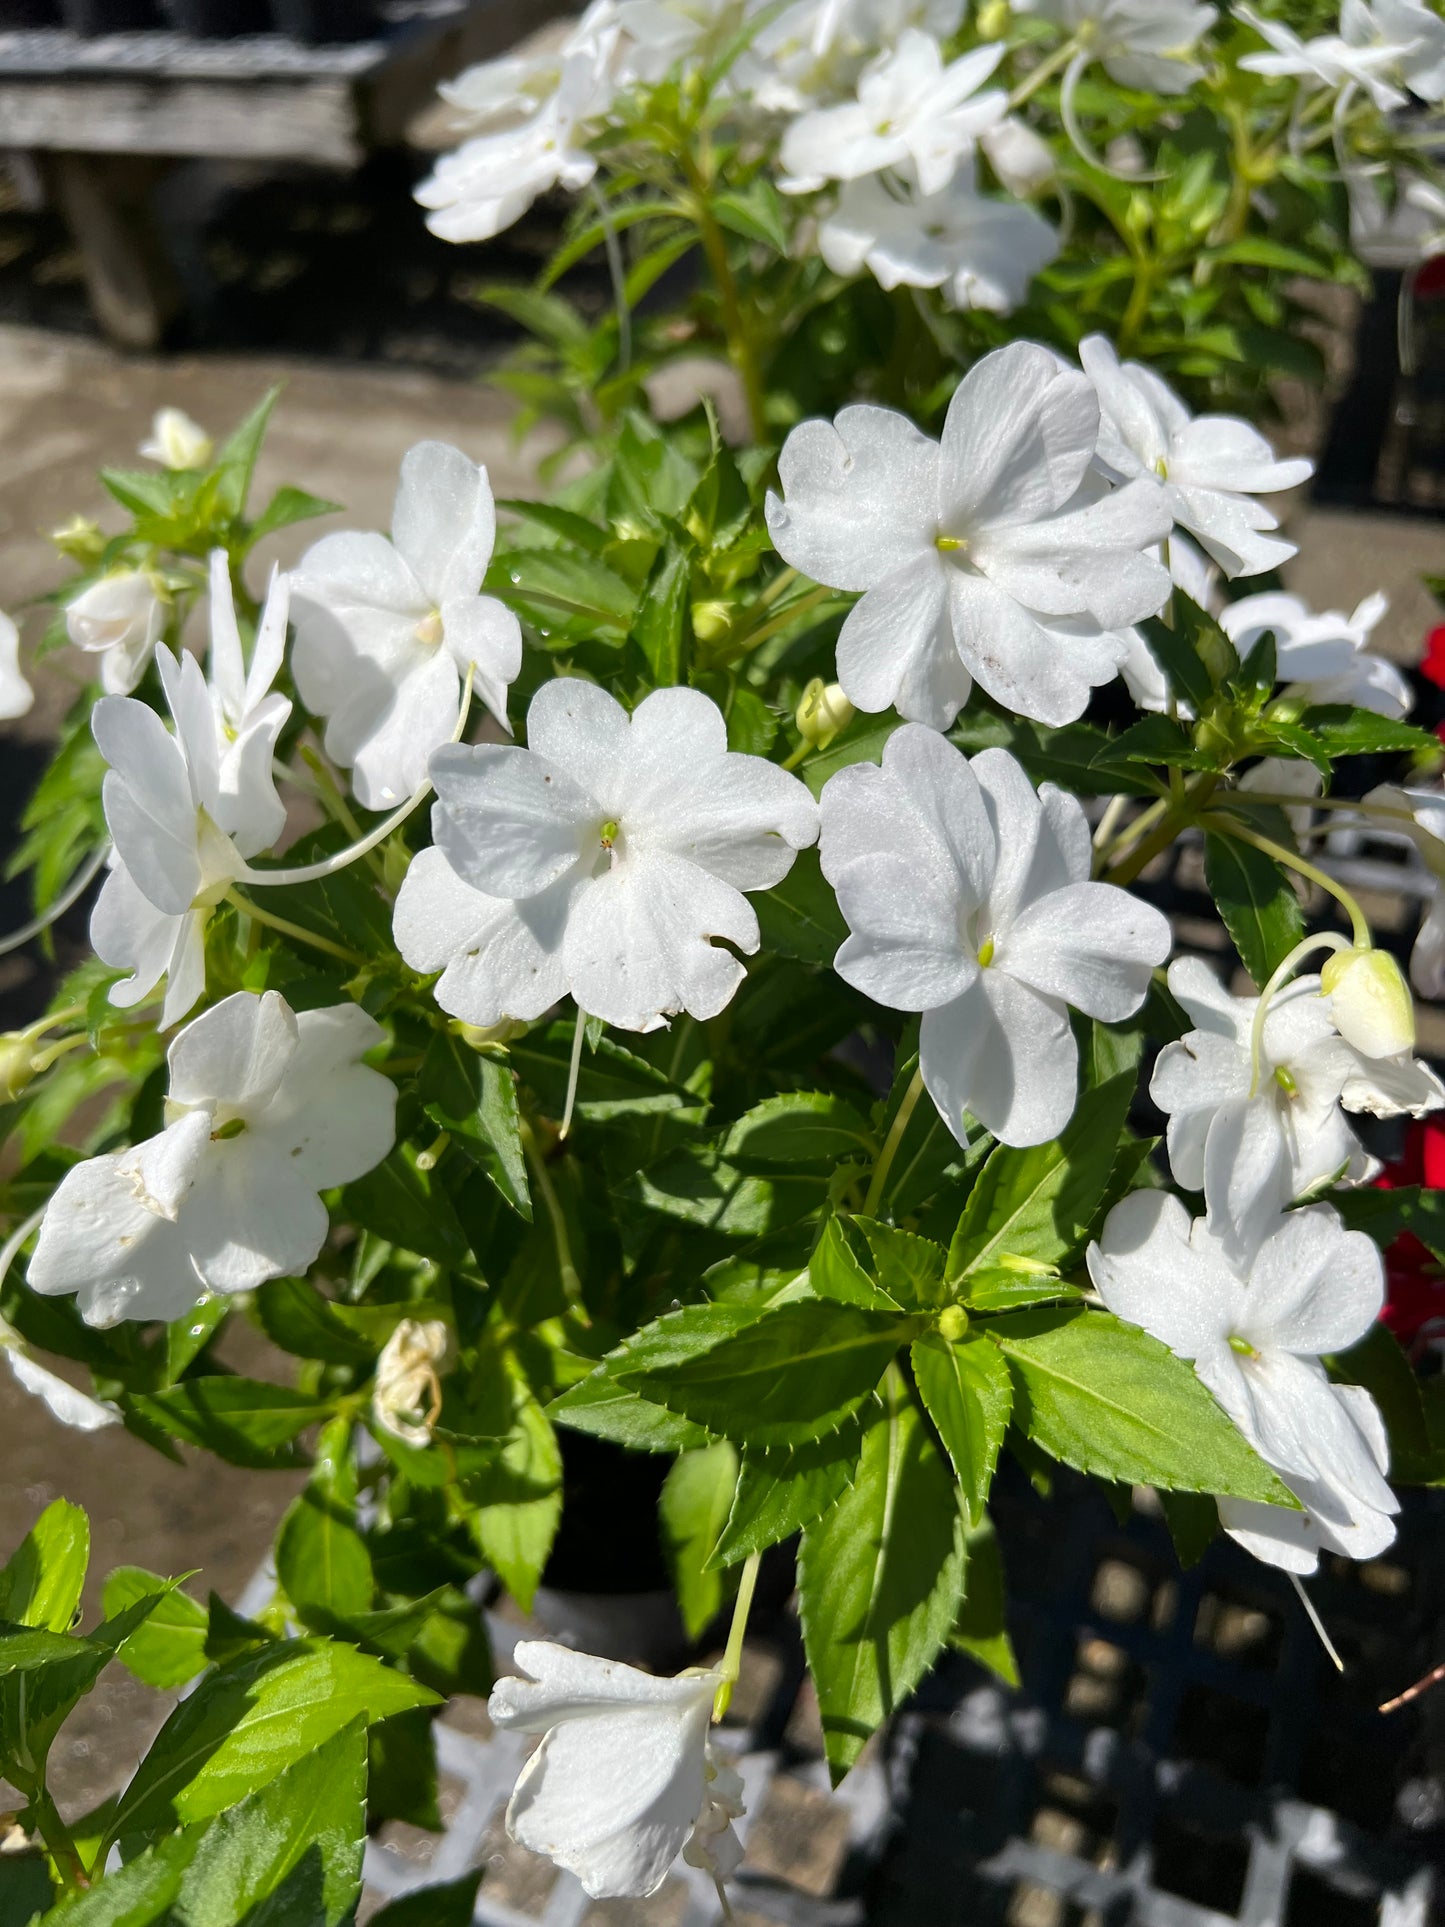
[(1114, 847), (885, 1157), (733, 1658), (1135, 314), (751, 639), (56, 1835), (566, 1270), (1177, 816), (1229, 826), (735, 328), (1045, 71), (284, 927)]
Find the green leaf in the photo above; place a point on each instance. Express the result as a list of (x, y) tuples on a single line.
[(1344, 731), (295, 1316), (1035, 1206), (545, 315), (780, 1492), (662, 616), (46, 1676), (793, 1375), (520, 1500), (1107, 1398), (966, 1388), (799, 917), (407, 1207), (696, 1185), (607, 1410), (41, 1581), (798, 1127), (236, 462), (696, 1499), (450, 1905), (474, 1096), (402, 1782), (880, 1575), (564, 523), (756, 213), (565, 597), (139, 1894), (321, 1557), (835, 1272), (287, 507), (1255, 898), (245, 1421), (1190, 653), (250, 1720), (169, 1649), (909, 1268), (26, 1890), (289, 1855), (981, 1630), (1379, 1364), (1193, 1520)]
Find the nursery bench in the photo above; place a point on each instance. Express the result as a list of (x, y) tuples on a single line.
[(103, 117)]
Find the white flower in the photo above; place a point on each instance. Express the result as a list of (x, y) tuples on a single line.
[(663, 32), (491, 180), (968, 898), (1023, 161), (1141, 43), (602, 860), (1284, 776), (983, 252), (267, 1108), (625, 1778), (186, 811), (176, 441), (16, 695), (812, 52), (1254, 1318), (406, 1399), (1426, 831), (119, 618), (1284, 1132), (1381, 45), (387, 629), (911, 111), (73, 1408), (985, 558), (1206, 470), (1322, 658)]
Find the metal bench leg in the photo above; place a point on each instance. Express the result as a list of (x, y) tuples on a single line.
[(133, 287)]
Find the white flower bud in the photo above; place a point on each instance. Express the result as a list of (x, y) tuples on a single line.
[(407, 1399), (823, 710), (1370, 1002), (120, 618), (1022, 159), (177, 441)]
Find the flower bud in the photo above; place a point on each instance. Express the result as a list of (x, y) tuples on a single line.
[(80, 538), (120, 618), (992, 19), (17, 1065), (1370, 1002), (822, 711), (478, 1036), (711, 620), (177, 441), (952, 1323), (1022, 160)]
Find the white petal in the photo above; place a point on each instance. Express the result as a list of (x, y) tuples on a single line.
[(99, 1240), (1153, 1268), (896, 647), (1314, 1287), (228, 666), (1132, 439), (903, 949), (195, 720), (73, 1408), (1036, 669), (1094, 946), (860, 497), (1018, 438), (129, 933), (16, 695), (1393, 1087), (511, 822), (421, 715), (444, 522), (251, 1217), (1036, 837), (1247, 1177), (149, 806), (639, 942), (236, 1053), (249, 811), (1272, 1533), (1004, 1054), (499, 958), (333, 1117), (186, 970), (583, 732), (484, 635)]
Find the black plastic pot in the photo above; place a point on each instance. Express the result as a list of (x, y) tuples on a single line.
[(219, 19), (92, 17), (315, 23), (28, 13)]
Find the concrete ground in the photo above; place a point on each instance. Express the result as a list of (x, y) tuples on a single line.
[(68, 405)]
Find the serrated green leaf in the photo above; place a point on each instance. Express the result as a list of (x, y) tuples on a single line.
[(1193, 1520), (835, 1271), (250, 1720), (662, 616), (565, 596), (40, 1583), (981, 1629), (245, 1421), (321, 1557), (780, 1492), (1107, 1398), (607, 1410), (1341, 730), (692, 1511), (880, 1575), (294, 1315), (287, 507), (474, 1097), (407, 1207), (170, 1648), (798, 1127), (1034, 1206), (236, 460), (449, 1905), (139, 1894), (519, 1500), (966, 1387), (791, 1376), (909, 1268), (1257, 902)]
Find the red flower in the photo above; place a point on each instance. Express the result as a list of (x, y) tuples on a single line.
[(1414, 1284), (1433, 665)]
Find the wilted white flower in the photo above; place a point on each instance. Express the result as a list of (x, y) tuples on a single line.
[(537, 117), (983, 252), (625, 1778), (185, 811), (912, 112), (16, 695), (1254, 1317), (176, 441), (988, 557), (968, 898), (1321, 658), (120, 618), (604, 859), (407, 1399), (1277, 1128), (1206, 470), (387, 629), (267, 1107), (1380, 42), (1141, 43)]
